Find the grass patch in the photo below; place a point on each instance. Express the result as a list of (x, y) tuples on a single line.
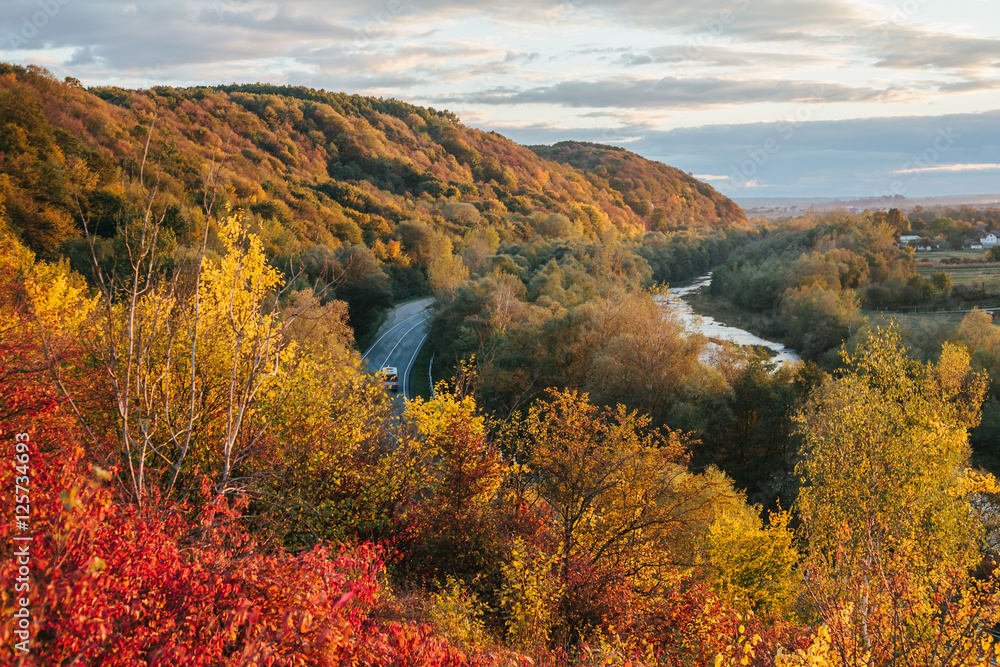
[(950, 256), (767, 326), (418, 376), (904, 318), (986, 277), (945, 308), (442, 372)]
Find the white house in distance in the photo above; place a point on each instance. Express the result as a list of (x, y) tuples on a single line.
[(916, 242), (989, 239)]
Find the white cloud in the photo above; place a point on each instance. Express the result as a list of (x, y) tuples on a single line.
[(950, 168)]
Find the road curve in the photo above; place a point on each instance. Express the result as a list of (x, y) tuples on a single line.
[(399, 340)]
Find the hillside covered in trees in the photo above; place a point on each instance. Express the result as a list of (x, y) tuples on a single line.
[(209, 475), (660, 194), (327, 178)]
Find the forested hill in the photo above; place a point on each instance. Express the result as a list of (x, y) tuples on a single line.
[(663, 196), (314, 168)]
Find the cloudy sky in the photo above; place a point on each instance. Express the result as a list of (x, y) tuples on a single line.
[(761, 98)]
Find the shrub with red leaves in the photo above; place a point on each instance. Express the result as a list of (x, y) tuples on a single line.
[(115, 584), (690, 625)]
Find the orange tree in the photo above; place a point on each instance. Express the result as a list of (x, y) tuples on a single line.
[(628, 514)]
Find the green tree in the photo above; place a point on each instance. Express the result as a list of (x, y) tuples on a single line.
[(364, 286), (423, 243), (820, 317), (942, 282), (755, 447)]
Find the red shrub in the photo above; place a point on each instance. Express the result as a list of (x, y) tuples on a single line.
[(114, 584), (691, 625)]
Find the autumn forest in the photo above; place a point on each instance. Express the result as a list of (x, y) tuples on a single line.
[(189, 276)]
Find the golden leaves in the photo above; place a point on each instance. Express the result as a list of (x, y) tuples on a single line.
[(884, 447), (753, 566)]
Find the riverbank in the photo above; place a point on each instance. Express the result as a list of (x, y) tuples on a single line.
[(717, 320), (723, 311)]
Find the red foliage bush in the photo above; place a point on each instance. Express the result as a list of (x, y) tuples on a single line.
[(114, 584), (690, 625), (595, 597)]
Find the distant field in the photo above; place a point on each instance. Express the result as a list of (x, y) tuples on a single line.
[(946, 318), (985, 276), (981, 275), (903, 318), (949, 255)]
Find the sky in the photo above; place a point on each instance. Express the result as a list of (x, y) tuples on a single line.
[(761, 98)]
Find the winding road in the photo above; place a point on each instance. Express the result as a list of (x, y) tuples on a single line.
[(399, 340)]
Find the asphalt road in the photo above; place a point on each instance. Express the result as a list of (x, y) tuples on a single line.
[(399, 340)]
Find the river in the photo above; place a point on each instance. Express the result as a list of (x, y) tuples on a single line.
[(714, 329)]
